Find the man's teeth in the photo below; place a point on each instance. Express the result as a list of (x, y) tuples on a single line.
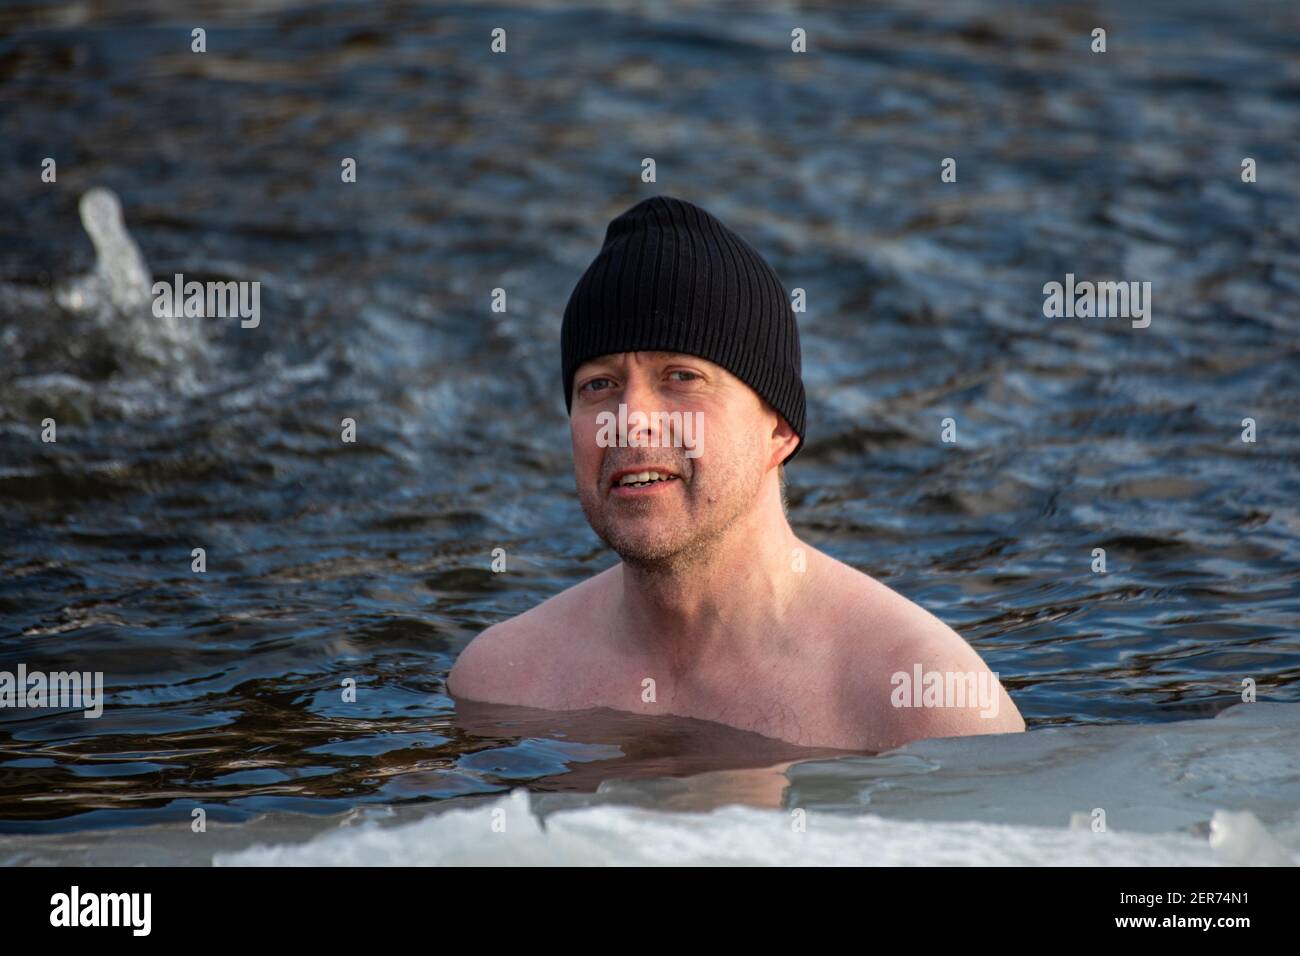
[(644, 478)]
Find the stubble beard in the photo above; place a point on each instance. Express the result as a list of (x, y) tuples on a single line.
[(668, 553)]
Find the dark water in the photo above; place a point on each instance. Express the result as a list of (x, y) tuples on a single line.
[(371, 560)]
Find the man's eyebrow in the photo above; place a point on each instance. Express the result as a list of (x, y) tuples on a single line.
[(601, 361)]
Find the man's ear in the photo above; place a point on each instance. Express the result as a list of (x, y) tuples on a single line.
[(783, 439)]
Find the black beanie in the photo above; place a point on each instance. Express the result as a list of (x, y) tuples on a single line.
[(672, 278)]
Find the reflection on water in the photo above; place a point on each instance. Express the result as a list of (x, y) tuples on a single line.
[(581, 750), (371, 561)]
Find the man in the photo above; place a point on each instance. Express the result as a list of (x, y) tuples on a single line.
[(683, 335)]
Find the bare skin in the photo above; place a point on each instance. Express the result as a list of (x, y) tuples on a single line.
[(718, 611)]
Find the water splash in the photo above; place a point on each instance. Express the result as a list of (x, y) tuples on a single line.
[(120, 279), (95, 345), (117, 297)]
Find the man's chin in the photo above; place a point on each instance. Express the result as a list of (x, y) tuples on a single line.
[(646, 550), (654, 551)]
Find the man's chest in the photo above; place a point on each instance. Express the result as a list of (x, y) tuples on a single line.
[(800, 704)]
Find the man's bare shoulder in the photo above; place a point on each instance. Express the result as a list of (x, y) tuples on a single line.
[(879, 635), (514, 661), (859, 606)]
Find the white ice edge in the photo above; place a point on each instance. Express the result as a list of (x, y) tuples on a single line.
[(1014, 799)]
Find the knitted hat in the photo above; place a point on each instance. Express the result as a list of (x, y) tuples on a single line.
[(672, 278)]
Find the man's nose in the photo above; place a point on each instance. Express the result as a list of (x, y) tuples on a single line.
[(641, 395)]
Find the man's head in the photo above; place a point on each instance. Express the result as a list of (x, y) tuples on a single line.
[(680, 357), (705, 441)]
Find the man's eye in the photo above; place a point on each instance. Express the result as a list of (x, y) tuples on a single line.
[(595, 386), (681, 371)]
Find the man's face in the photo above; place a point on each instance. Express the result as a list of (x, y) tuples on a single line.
[(707, 434)]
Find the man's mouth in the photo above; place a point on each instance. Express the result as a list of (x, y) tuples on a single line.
[(643, 478)]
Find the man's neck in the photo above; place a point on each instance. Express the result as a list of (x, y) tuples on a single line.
[(723, 605)]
